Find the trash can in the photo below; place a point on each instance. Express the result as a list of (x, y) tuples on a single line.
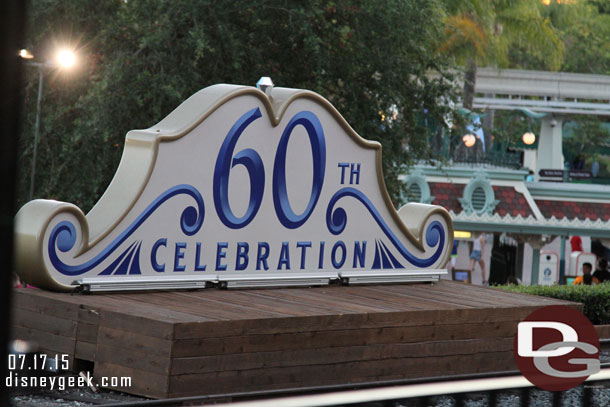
[(548, 271)]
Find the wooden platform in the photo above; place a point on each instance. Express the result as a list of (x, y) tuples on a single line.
[(213, 341)]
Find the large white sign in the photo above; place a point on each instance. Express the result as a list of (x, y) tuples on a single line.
[(236, 182)]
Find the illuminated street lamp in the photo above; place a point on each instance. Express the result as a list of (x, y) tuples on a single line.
[(469, 140), (529, 138), (25, 54), (64, 59), (475, 131)]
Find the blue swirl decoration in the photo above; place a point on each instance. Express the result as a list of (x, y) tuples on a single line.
[(336, 221), (63, 235)]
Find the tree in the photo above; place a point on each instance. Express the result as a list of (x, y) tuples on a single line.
[(53, 24), (146, 56), (585, 30), (586, 137), (483, 32)]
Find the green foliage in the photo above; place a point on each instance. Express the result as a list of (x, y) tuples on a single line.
[(524, 26), (586, 33), (483, 32), (510, 127), (572, 36), (602, 6), (584, 29), (584, 137), (595, 298), (486, 31), (142, 58)]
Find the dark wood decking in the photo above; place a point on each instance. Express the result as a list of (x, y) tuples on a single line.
[(212, 341)]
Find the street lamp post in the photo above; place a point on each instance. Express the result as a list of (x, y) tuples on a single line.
[(65, 59)]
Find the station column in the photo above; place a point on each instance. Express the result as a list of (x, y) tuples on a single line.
[(550, 152)]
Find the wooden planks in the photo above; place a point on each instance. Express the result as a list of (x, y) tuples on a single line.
[(50, 324), (210, 341)]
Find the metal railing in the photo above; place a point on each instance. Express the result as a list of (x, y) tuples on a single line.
[(422, 393), (495, 158), (489, 389)]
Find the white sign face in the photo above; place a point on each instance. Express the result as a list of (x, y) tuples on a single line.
[(235, 182), (548, 271)]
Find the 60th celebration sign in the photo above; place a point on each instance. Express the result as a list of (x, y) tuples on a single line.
[(236, 182)]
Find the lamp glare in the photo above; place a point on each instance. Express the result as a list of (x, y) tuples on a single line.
[(25, 54), (66, 58), (529, 138), (469, 140)]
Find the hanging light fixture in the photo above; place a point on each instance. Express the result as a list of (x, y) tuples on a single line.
[(469, 140), (529, 138)]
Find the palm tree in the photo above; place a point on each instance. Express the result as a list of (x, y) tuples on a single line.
[(483, 31)]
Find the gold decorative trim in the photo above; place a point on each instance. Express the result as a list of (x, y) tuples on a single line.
[(29, 240)]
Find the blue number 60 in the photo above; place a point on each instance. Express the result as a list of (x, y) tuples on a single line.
[(254, 164)]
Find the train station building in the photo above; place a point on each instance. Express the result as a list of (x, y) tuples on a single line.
[(533, 204)]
